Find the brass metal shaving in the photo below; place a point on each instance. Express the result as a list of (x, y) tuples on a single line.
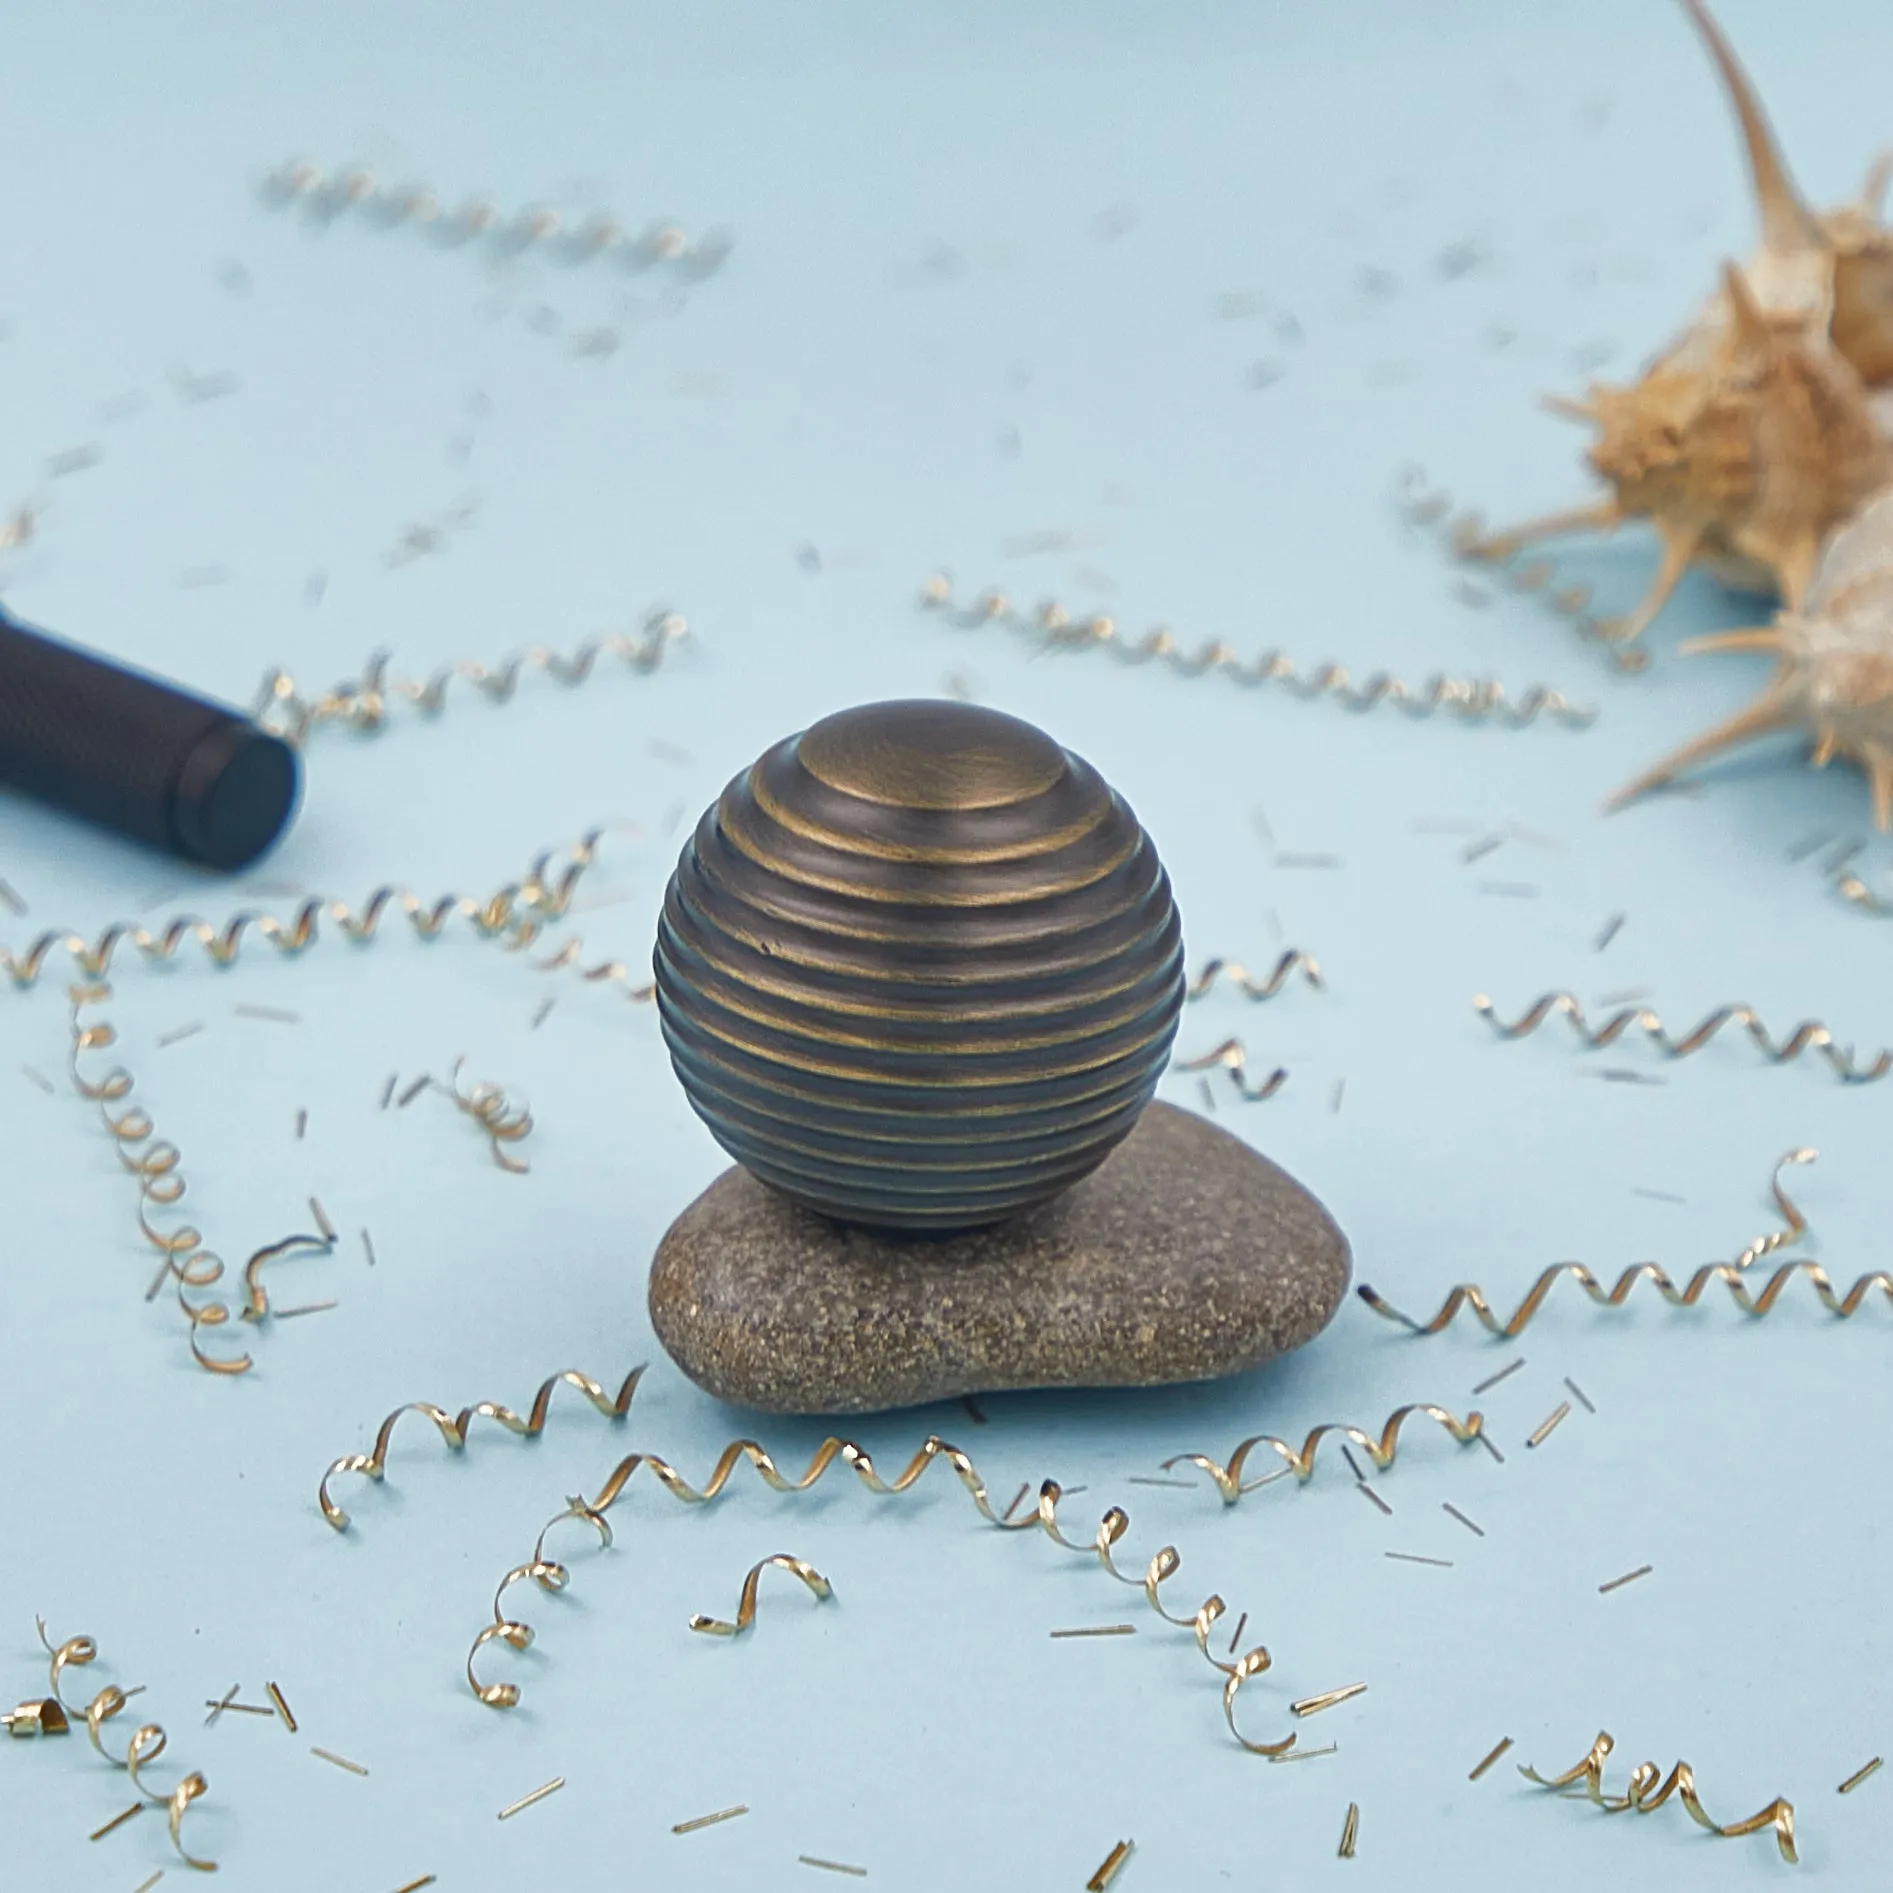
[(352, 190), (1052, 627), (503, 1121), (362, 704), (1644, 1795), (1234, 973), (1794, 1226), (147, 1743), (514, 916), (1809, 1035), (452, 1427), (1229, 1481), (1232, 1056), (1463, 533), (553, 1577), (817, 1585), (156, 1163), (1469, 1295), (638, 987), (256, 1304)]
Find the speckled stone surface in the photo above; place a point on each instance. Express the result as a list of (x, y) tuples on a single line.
[(1186, 1256)]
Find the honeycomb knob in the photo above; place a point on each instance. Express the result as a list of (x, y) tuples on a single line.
[(919, 967)]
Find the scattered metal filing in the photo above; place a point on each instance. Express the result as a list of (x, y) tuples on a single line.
[(339, 1761), (1234, 973), (148, 1742), (1232, 1056), (709, 1820), (513, 916), (562, 236), (1644, 1795), (1110, 1867), (228, 1701), (1328, 1699), (1497, 1751), (1859, 1775), (528, 1800), (504, 1122), (1229, 1481), (553, 1577), (1629, 1577), (1054, 628), (1583, 1399), (1469, 1295), (363, 703), (118, 1820), (1810, 1034), (1371, 1496), (1453, 1511), (1350, 1830), (453, 1428), (1504, 1373), (282, 1707), (831, 1866), (817, 1586), (1414, 1557), (1550, 1424)]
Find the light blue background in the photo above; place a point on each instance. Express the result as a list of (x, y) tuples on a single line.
[(974, 298)]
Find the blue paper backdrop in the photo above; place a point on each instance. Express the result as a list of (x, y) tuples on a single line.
[(1011, 296)]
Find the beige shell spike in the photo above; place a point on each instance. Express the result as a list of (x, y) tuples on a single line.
[(1834, 666), (1863, 278), (1745, 455), (1842, 260)]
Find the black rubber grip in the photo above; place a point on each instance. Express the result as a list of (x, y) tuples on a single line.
[(138, 756)]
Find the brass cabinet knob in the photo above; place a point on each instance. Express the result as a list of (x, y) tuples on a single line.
[(919, 967)]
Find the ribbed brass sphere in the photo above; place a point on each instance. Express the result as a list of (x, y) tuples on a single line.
[(919, 967)]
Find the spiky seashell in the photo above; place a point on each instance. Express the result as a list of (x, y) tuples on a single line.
[(1834, 670), (1753, 434)]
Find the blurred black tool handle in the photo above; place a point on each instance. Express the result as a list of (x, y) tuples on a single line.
[(140, 757)]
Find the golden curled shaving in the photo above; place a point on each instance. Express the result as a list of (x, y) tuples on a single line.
[(1810, 1034), (552, 1576), (639, 991), (453, 1427), (503, 1121), (1796, 1225), (1463, 532), (1645, 1796), (1228, 1478), (147, 1743), (1468, 1295), (817, 1585), (1292, 962), (514, 915), (362, 703), (570, 239), (1480, 699), (1232, 1056), (156, 1164), (255, 1295), (75, 1652)]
